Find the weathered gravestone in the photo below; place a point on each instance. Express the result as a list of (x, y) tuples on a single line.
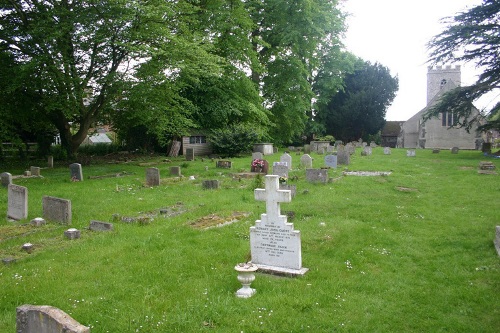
[(35, 171), (497, 239), (317, 175), (288, 159), (56, 209), (436, 151), (189, 154), (211, 184), (367, 151), (224, 164), (280, 170), (46, 319), (306, 161), (343, 155), (100, 226), (72, 233), (257, 155), (75, 171), (275, 245), (411, 153), (454, 150), (307, 149), (331, 161), (175, 171), (350, 148), (50, 161), (387, 150), (152, 177), (17, 202), (291, 188), (6, 179)]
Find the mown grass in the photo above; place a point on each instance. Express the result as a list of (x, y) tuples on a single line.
[(408, 252)]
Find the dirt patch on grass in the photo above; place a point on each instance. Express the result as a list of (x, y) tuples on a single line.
[(406, 189), (213, 220)]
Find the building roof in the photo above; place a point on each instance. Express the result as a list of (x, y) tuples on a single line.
[(99, 138)]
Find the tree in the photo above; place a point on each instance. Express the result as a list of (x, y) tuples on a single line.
[(471, 36), (78, 56), (358, 110)]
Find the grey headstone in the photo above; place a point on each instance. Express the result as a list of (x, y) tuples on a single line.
[(306, 161), (189, 154), (331, 161), (387, 150), (291, 188), (50, 161), (257, 155), (17, 202), (436, 151), (38, 221), (307, 149), (72, 233), (46, 319), (152, 177), (317, 175), (288, 159), (27, 173), (211, 184), (57, 209), (343, 155), (330, 149), (6, 179), (35, 171), (100, 226), (411, 153), (175, 171), (224, 164), (350, 148), (280, 170), (367, 151), (373, 144), (76, 173), (454, 150)]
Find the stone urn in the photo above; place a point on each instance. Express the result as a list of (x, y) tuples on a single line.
[(246, 277)]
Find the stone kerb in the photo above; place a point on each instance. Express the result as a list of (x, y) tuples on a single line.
[(100, 226), (497, 239), (46, 319), (275, 245)]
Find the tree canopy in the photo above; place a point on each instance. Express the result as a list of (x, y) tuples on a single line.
[(358, 109), (472, 36)]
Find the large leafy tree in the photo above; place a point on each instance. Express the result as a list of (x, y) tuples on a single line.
[(472, 36), (78, 57), (358, 110)]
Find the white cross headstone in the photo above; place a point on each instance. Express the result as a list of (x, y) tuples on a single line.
[(275, 245)]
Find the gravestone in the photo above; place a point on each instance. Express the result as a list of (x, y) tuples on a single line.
[(291, 188), (454, 150), (224, 164), (275, 245), (307, 149), (46, 319), (100, 226), (257, 155), (280, 170), (497, 239), (343, 155), (436, 151), (350, 148), (189, 154), (317, 175), (75, 171), (288, 159), (6, 179), (387, 150), (331, 161), (330, 149), (17, 202), (56, 209), (367, 150), (35, 171), (263, 168), (37, 222), (373, 144), (211, 184), (152, 177), (411, 153), (27, 173), (72, 233), (50, 161), (306, 161), (175, 171)]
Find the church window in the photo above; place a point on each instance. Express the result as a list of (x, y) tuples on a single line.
[(448, 119)]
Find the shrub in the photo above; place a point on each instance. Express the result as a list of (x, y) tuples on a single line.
[(233, 141)]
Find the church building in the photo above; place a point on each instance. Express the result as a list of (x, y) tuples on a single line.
[(436, 133)]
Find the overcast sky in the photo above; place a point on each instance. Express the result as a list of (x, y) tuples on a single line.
[(395, 33)]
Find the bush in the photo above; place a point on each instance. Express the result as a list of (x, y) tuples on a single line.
[(233, 141)]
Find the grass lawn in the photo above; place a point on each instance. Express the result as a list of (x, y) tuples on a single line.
[(408, 252)]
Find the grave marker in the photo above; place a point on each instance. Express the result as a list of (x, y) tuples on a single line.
[(75, 171), (331, 161), (72, 233), (275, 245), (56, 209), (280, 170), (211, 184), (343, 155), (35, 171), (50, 161), (454, 150), (189, 154), (17, 202), (257, 155), (411, 153), (224, 164), (175, 171), (306, 161), (6, 179), (387, 150), (100, 226), (317, 175), (288, 159), (367, 150), (152, 177), (46, 319)]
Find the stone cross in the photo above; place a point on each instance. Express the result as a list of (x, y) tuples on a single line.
[(273, 196)]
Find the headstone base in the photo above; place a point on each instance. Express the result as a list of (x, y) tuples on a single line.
[(283, 271)]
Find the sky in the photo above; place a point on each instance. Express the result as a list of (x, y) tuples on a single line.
[(394, 33)]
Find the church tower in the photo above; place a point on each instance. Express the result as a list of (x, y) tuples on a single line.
[(439, 78)]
